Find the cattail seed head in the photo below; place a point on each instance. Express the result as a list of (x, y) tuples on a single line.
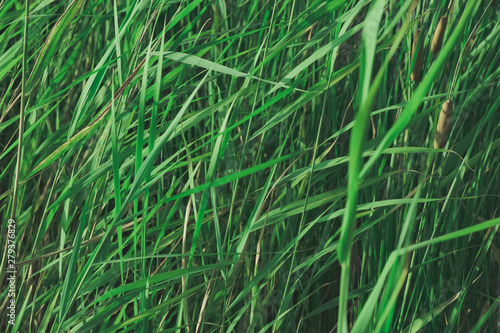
[(417, 68), (443, 126), (437, 39)]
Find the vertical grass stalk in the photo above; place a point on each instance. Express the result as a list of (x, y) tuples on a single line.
[(21, 114)]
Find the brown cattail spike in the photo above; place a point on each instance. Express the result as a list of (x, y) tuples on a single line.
[(437, 39), (417, 67), (443, 126)]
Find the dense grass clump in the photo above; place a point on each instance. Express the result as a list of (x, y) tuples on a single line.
[(251, 166)]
